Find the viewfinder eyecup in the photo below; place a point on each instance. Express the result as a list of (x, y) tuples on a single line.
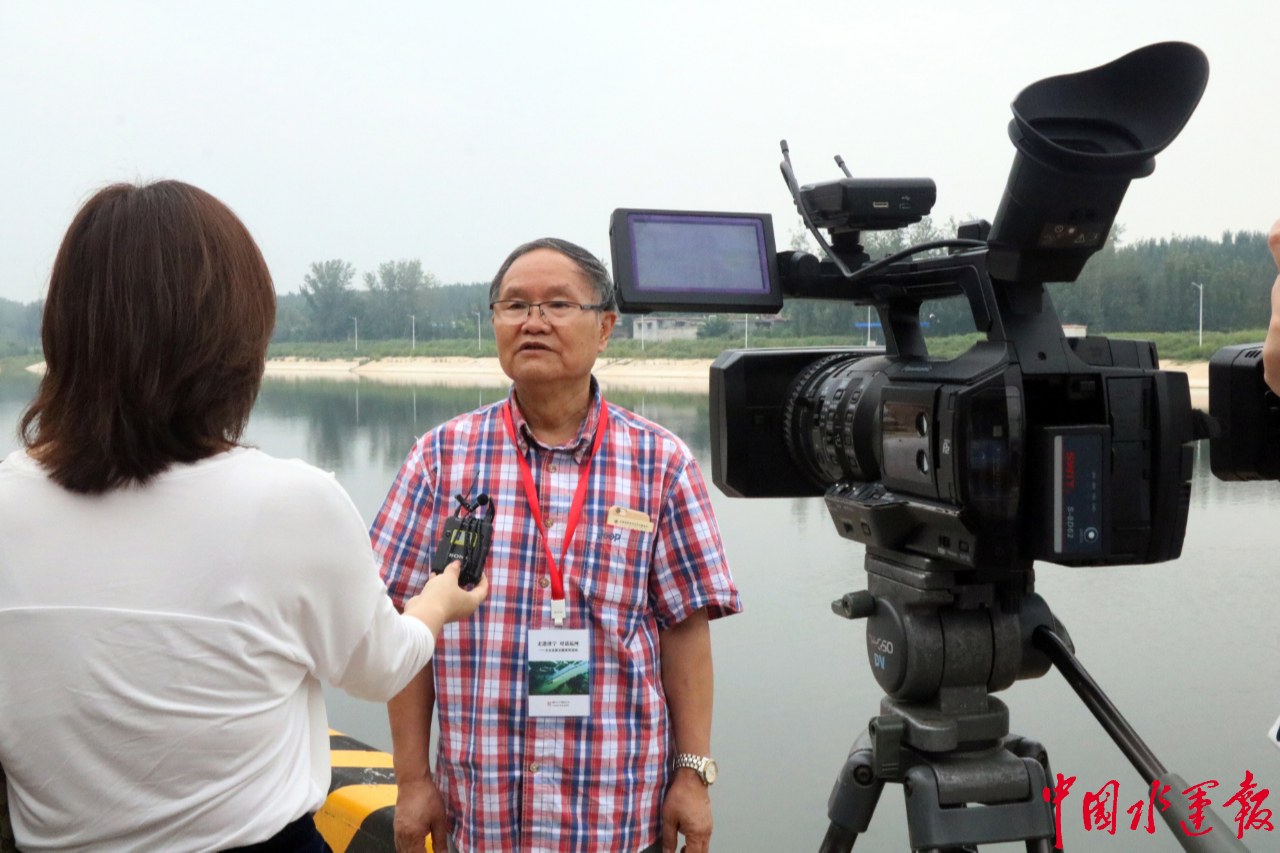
[(1080, 139)]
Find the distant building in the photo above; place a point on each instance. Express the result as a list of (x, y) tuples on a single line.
[(685, 328), (657, 329), (1073, 331), (768, 321)]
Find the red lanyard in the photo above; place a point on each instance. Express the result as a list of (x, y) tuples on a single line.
[(575, 511)]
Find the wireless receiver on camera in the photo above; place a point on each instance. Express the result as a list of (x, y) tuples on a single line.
[(466, 539)]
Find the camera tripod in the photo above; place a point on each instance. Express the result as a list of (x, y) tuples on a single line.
[(941, 637)]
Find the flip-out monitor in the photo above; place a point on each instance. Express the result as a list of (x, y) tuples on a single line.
[(673, 260)]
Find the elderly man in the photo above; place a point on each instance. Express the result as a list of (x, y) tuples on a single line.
[(575, 706)]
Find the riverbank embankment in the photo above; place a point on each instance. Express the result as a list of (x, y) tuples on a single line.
[(688, 375)]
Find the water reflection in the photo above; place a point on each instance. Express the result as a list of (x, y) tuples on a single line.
[(389, 418)]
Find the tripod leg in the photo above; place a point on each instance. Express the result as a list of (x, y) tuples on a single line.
[(853, 800), (838, 839), (1027, 748)]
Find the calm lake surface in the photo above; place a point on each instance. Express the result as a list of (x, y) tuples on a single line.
[(1186, 649)]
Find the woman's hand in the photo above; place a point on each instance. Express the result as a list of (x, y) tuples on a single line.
[(442, 601)]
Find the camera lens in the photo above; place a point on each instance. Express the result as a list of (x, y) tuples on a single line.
[(830, 426)]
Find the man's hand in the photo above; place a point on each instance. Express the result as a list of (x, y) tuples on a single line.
[(419, 813), (686, 809)]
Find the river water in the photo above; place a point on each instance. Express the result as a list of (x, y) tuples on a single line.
[(1186, 649)]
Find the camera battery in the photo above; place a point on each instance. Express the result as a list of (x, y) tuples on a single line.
[(1077, 459)]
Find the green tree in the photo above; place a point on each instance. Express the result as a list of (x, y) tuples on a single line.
[(331, 300), (399, 290), (717, 326), (293, 319)]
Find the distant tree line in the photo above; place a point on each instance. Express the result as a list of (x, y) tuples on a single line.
[(20, 327), (1145, 286), (399, 301)]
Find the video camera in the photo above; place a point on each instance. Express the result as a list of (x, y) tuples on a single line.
[(957, 473), (1031, 445)]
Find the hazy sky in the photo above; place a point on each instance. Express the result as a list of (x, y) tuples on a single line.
[(452, 132)]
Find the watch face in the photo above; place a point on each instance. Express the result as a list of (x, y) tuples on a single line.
[(709, 770)]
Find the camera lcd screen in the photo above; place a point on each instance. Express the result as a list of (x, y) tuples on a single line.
[(671, 260), (691, 253)]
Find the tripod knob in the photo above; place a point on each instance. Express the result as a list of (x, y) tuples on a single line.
[(855, 605)]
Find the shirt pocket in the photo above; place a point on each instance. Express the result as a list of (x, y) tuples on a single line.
[(615, 580)]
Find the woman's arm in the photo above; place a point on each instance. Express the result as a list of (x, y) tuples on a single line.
[(1271, 346)]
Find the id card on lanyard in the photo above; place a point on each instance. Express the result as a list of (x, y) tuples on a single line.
[(559, 659)]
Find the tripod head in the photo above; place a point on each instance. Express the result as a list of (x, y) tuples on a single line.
[(941, 637)]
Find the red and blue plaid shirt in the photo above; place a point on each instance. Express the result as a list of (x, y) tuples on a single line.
[(551, 783)]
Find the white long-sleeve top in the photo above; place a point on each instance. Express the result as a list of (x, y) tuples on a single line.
[(162, 648)]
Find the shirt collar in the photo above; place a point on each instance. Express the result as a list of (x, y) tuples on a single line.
[(580, 446)]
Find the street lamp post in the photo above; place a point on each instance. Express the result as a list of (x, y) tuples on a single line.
[(413, 332), (478, 318), (1200, 287), (357, 322), (746, 331)]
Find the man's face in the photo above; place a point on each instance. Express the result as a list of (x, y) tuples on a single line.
[(536, 351)]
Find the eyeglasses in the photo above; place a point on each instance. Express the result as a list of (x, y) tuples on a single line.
[(515, 311)]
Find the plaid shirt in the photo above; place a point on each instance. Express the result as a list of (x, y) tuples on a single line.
[(552, 783)]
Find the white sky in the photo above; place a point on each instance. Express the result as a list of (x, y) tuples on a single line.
[(453, 132)]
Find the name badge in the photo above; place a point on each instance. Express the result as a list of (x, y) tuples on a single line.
[(559, 672), (631, 519)]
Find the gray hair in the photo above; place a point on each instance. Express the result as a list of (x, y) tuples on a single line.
[(596, 273)]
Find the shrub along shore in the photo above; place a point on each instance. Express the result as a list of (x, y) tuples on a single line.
[(1171, 346)]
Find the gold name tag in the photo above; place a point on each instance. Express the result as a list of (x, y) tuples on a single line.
[(631, 519)]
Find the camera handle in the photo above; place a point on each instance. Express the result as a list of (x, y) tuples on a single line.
[(1017, 313)]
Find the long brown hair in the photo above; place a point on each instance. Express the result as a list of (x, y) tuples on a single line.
[(155, 333)]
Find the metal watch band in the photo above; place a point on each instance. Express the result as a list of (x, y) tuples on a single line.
[(696, 763)]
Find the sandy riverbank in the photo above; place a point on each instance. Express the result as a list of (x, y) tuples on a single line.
[(687, 375), (669, 374)]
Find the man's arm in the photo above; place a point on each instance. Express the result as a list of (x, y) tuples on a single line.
[(688, 682), (420, 810)]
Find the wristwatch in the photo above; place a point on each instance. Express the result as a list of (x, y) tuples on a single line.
[(704, 767)]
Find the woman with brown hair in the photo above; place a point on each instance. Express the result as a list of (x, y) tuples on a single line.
[(170, 600)]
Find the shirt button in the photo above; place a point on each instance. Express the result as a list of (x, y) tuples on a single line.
[(544, 582), (552, 467), (533, 768), (551, 522)]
